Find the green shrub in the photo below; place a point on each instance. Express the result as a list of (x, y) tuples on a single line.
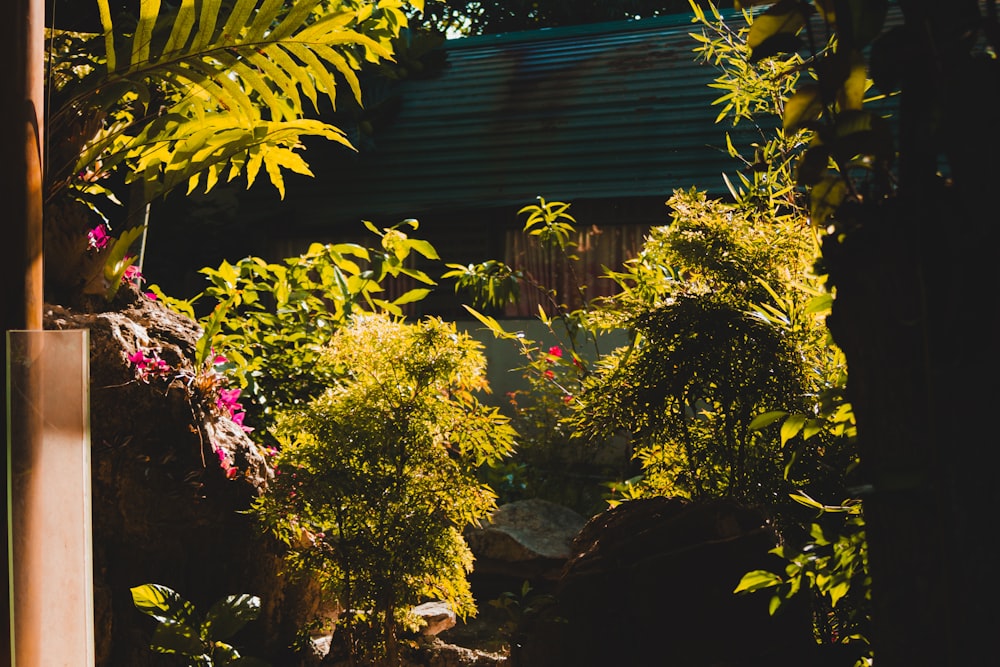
[(376, 477)]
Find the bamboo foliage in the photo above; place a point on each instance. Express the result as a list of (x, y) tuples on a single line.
[(212, 89)]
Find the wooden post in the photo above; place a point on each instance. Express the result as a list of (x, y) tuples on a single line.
[(21, 125), (50, 515)]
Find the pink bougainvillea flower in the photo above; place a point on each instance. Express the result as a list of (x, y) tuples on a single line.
[(132, 273), (238, 418), (232, 472), (97, 238), (150, 295), (228, 401), (555, 351), (148, 365), (219, 360), (221, 453)]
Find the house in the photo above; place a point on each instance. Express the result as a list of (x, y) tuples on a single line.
[(611, 117)]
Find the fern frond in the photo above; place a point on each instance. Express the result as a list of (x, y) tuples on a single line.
[(228, 84)]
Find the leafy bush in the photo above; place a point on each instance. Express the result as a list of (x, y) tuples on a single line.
[(271, 320), (181, 631), (376, 476)]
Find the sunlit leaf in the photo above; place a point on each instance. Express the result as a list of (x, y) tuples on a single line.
[(785, 17), (804, 106), (791, 427), (756, 580), (825, 199), (766, 419), (227, 616)]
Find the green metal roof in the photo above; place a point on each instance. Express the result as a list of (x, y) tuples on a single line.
[(612, 110)]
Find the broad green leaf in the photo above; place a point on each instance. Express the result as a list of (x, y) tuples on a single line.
[(838, 591), (791, 427), (756, 580), (812, 427), (852, 91), (766, 419), (784, 17), (825, 198), (411, 296), (804, 106), (227, 616), (424, 248), (163, 604), (173, 637)]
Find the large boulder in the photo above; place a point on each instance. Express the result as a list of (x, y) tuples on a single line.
[(651, 584), (525, 540), (166, 509)]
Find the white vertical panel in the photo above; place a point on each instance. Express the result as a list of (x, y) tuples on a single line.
[(50, 505)]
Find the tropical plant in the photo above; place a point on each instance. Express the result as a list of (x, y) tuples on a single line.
[(832, 568), (181, 631), (270, 321), (376, 477), (193, 94), (828, 563)]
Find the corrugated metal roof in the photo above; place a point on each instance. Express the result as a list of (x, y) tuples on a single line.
[(612, 110)]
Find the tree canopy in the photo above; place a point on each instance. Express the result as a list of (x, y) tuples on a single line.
[(474, 17)]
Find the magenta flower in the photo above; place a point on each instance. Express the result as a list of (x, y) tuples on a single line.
[(97, 238), (228, 400), (148, 365), (132, 273), (555, 351)]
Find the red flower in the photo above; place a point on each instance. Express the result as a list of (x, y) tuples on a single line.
[(555, 351)]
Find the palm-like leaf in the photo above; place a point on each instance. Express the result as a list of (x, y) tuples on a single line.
[(218, 88)]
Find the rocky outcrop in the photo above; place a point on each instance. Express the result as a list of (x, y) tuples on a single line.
[(167, 506), (524, 540), (436, 616), (651, 584)]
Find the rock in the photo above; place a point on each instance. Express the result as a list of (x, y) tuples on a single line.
[(436, 653), (164, 509), (651, 583), (437, 617), (525, 540)]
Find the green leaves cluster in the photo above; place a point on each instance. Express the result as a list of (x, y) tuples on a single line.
[(181, 631), (202, 91), (377, 475), (831, 565), (272, 320), (851, 148)]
